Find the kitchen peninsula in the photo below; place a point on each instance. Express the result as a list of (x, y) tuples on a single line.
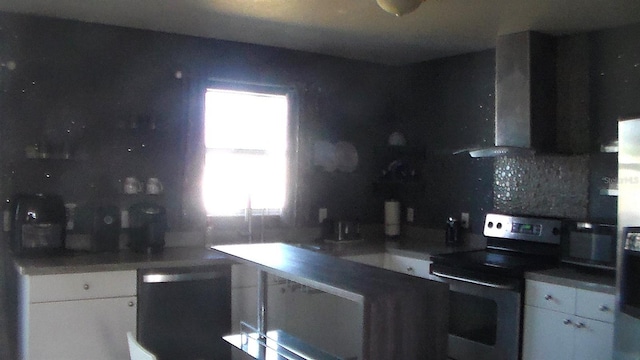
[(404, 317)]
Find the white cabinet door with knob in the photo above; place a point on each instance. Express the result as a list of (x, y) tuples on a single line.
[(548, 335), (562, 322), (76, 316)]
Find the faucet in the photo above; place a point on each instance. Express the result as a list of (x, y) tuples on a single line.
[(248, 218)]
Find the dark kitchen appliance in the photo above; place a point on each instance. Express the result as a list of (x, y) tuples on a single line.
[(183, 313), (148, 224), (105, 230), (38, 224), (589, 244), (487, 286)]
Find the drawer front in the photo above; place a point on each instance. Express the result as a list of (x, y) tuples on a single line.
[(595, 305), (550, 296), (60, 287), (407, 265)]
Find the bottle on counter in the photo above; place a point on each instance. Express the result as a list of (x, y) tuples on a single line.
[(452, 236)]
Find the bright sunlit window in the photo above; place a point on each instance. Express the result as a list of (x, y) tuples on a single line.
[(246, 152)]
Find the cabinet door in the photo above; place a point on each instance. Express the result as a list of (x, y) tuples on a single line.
[(244, 307), (548, 335), (325, 321), (81, 329), (593, 340)]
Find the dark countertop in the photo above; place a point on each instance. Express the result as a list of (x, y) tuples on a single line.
[(572, 277), (125, 259), (122, 260), (396, 306)]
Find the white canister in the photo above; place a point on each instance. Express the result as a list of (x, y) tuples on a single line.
[(392, 218)]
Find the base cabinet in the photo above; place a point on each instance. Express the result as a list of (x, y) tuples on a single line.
[(325, 321), (82, 329), (563, 323), (76, 316)]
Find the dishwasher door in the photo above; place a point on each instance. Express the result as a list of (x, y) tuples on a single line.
[(183, 313)]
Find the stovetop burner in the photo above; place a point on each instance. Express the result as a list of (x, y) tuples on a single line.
[(495, 261)]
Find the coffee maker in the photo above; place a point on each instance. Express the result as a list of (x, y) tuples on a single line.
[(38, 224), (147, 227)]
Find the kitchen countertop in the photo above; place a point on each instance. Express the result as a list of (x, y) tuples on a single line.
[(122, 260), (569, 276), (400, 303), (197, 255)]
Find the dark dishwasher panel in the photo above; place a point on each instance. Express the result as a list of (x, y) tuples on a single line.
[(184, 312)]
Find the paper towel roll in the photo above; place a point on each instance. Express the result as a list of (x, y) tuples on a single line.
[(392, 218)]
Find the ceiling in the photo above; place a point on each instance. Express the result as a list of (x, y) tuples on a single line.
[(355, 29)]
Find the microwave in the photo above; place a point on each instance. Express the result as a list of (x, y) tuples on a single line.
[(589, 244)]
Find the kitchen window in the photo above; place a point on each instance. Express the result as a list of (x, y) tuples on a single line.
[(247, 136)]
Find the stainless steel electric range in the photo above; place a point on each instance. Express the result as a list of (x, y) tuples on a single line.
[(487, 286)]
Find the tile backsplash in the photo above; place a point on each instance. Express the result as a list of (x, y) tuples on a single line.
[(547, 185)]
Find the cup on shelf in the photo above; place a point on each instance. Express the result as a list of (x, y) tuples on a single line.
[(132, 185), (154, 186)]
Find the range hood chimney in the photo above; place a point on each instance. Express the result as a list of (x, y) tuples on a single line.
[(525, 101)]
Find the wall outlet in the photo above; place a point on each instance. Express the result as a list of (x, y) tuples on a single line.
[(409, 214), (464, 220), (322, 214)]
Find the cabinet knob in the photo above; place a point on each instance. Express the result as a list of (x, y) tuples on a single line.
[(131, 303), (85, 286), (566, 321), (580, 325), (603, 308), (410, 269), (548, 297)]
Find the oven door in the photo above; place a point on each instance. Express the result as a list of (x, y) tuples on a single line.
[(484, 318)]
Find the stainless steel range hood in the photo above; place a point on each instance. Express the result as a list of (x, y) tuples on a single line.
[(525, 98)]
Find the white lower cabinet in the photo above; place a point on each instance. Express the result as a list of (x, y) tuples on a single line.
[(562, 322), (77, 316), (323, 320)]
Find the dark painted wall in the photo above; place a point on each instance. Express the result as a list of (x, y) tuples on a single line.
[(85, 85), (110, 95), (449, 106)]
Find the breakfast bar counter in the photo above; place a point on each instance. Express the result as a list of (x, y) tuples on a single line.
[(404, 317)]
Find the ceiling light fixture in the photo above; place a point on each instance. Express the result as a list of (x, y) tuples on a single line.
[(399, 7)]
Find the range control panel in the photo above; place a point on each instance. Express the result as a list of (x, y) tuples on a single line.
[(544, 230)]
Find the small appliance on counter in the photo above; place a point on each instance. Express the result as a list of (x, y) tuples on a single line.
[(589, 244), (38, 224), (340, 231), (348, 231), (147, 227), (452, 234), (105, 230)]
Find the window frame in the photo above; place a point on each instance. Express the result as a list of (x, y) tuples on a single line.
[(196, 150)]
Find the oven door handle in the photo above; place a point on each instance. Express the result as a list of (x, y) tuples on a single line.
[(165, 278), (473, 281)]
